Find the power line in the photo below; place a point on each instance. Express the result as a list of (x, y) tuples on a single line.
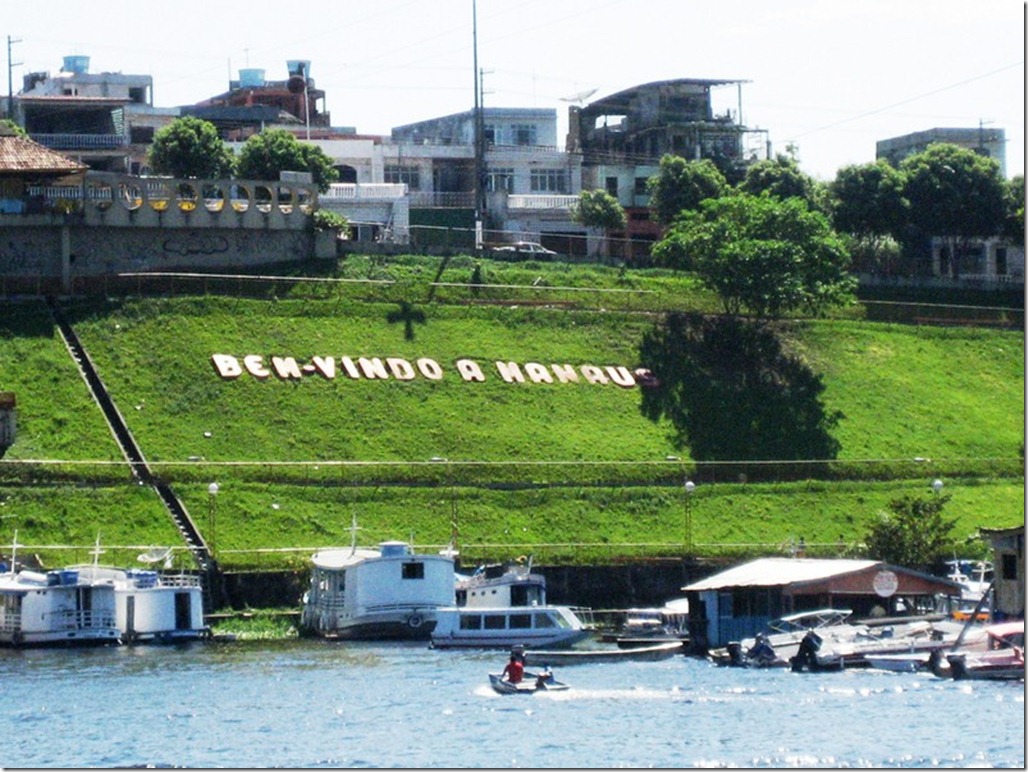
[(908, 100)]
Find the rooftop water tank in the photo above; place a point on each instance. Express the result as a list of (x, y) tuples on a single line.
[(251, 78), (301, 67), (76, 64)]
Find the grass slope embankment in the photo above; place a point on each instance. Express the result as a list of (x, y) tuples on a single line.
[(572, 472)]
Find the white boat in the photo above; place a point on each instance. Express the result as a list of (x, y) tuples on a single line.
[(55, 607), (900, 646), (785, 634), (152, 606), (655, 651), (505, 606), (530, 685), (388, 593)]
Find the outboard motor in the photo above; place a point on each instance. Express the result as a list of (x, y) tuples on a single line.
[(735, 658)]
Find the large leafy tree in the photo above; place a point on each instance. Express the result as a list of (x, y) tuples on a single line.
[(1013, 223), (955, 194), (190, 147), (681, 185), (599, 209), (867, 203), (761, 254), (782, 178), (912, 533), (263, 156)]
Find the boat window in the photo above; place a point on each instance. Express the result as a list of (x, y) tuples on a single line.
[(414, 570), (544, 620), (496, 622), (520, 621), (469, 622)]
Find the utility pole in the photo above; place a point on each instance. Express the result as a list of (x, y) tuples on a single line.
[(10, 77), (479, 134)]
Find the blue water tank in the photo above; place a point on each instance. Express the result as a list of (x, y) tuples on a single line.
[(393, 549), (251, 78), (301, 67), (76, 64)]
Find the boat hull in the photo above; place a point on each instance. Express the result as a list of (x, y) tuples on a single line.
[(528, 686)]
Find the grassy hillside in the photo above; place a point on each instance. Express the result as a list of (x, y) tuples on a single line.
[(570, 471)]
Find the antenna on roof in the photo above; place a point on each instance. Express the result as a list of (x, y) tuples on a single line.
[(581, 96)]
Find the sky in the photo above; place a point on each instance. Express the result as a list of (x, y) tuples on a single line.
[(827, 77)]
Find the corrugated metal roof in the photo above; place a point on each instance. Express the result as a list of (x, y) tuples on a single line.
[(21, 154), (778, 572)]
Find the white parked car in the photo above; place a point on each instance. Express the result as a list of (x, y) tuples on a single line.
[(525, 250)]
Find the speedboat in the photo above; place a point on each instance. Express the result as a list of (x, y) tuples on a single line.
[(785, 634), (531, 684), (1001, 660)]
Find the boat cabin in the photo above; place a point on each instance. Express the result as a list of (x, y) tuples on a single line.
[(55, 607)]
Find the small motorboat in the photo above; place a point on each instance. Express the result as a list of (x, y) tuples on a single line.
[(531, 684)]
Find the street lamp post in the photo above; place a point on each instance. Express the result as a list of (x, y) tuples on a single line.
[(937, 485), (212, 495), (690, 486)]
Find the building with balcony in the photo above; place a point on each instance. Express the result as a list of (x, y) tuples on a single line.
[(622, 137), (104, 120), (253, 103)]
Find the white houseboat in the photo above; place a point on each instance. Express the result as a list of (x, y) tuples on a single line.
[(152, 606), (55, 607), (504, 607), (389, 593)]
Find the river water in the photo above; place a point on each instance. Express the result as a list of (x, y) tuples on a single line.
[(304, 703)]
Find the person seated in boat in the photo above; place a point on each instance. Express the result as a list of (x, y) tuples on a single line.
[(762, 652), (543, 677), (514, 671)]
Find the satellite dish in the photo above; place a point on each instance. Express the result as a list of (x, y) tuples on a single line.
[(155, 555), (581, 96)]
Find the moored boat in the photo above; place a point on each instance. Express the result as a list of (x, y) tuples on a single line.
[(656, 651), (388, 593), (1002, 658), (152, 606), (55, 608), (505, 608)]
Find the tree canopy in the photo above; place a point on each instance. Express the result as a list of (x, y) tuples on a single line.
[(912, 533), (954, 193), (761, 254), (263, 156), (781, 177), (190, 147), (867, 200), (681, 185), (598, 209)]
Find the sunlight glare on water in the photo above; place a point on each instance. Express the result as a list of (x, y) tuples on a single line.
[(318, 704)]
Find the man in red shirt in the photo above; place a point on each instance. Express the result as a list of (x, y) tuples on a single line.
[(514, 670)]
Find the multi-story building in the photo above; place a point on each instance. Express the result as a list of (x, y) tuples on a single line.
[(984, 141), (105, 120), (622, 137)]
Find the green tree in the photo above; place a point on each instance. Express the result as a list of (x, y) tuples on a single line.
[(681, 185), (782, 177), (191, 148), (912, 533), (761, 254), (954, 194), (867, 203), (10, 127), (599, 209), (263, 156), (1013, 223)]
